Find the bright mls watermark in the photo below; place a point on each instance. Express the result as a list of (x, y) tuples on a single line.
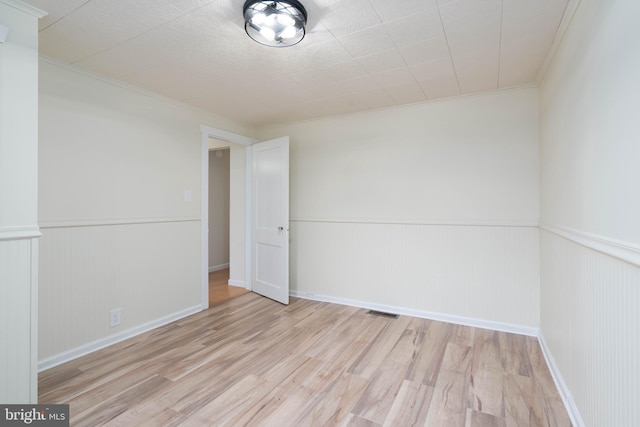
[(34, 415)]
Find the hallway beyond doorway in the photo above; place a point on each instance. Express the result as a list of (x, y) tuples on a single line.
[(219, 289)]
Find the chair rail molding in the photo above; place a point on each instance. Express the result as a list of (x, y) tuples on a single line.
[(624, 251), (20, 233)]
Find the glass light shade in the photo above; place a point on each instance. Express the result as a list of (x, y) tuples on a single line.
[(275, 23)]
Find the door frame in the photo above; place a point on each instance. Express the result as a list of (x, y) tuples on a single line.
[(211, 132)]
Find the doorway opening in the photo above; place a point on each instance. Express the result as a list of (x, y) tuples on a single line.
[(222, 284), (246, 190), (239, 205)]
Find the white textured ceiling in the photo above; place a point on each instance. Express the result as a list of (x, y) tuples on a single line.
[(357, 55)]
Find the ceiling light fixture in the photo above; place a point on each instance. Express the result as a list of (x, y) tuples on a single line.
[(275, 23)]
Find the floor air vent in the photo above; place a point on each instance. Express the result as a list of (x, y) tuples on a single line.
[(382, 314)]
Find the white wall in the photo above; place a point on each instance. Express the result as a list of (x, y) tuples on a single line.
[(432, 207), (237, 209), (18, 113), (18, 203), (589, 121), (218, 209), (589, 109), (117, 233)]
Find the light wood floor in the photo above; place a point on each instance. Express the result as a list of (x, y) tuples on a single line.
[(219, 289), (252, 361)]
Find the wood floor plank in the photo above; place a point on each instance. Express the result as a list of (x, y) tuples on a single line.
[(120, 384), (274, 408), (335, 405), (486, 386), (419, 324), (231, 403), (426, 365), (411, 405), (343, 351), (380, 347), (515, 354), (334, 339), (356, 421), (114, 365), (252, 361), (219, 289), (378, 398), (461, 334), (480, 419), (293, 369), (146, 413), (62, 376), (326, 314), (450, 396), (200, 387), (518, 401), (100, 414), (551, 402)]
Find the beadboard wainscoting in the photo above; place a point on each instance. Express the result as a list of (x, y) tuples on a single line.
[(18, 317), (590, 323), (148, 269), (485, 275)]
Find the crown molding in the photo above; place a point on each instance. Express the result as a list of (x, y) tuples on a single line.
[(26, 8)]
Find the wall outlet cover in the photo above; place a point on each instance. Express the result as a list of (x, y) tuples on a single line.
[(115, 317), (4, 32)]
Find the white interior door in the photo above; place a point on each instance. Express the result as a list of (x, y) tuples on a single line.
[(270, 252)]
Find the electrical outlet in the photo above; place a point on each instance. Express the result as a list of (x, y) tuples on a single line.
[(115, 317)]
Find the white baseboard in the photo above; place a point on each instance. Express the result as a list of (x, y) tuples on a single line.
[(238, 283), (218, 267), (459, 320), (85, 349), (565, 393)]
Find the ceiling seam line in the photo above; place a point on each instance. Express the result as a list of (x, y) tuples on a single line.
[(138, 35), (405, 62), (453, 65), (62, 17), (561, 30), (395, 45)]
